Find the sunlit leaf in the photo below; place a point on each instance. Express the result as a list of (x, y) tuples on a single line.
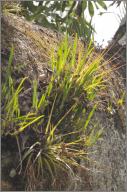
[(102, 4)]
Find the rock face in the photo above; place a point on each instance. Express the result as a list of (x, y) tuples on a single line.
[(33, 45), (119, 41), (109, 173)]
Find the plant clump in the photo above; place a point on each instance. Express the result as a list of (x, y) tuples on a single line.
[(53, 136)]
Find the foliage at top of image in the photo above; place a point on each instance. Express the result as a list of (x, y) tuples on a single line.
[(53, 136), (64, 16)]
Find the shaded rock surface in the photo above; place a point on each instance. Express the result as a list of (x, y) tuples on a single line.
[(109, 171)]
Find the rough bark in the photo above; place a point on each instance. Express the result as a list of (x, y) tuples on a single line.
[(33, 45)]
